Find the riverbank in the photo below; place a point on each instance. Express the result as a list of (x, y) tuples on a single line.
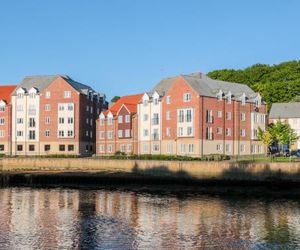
[(196, 172)]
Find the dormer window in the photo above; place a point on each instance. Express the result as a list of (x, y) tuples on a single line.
[(155, 101), (32, 95), (229, 98), (187, 97), (220, 95), (258, 101), (20, 95), (243, 99), (145, 103)]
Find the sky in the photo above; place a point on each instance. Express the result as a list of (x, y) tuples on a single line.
[(122, 47)]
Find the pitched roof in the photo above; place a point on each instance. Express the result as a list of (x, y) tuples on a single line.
[(285, 110), (43, 81), (6, 91), (130, 101), (206, 86)]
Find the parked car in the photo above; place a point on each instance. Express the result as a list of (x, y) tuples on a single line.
[(298, 153), (286, 153)]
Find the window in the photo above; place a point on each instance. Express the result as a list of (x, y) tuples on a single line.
[(122, 147), (229, 99), (87, 108), (180, 131), (145, 132), (219, 147), (168, 99), (47, 94), (47, 133), (145, 148), (189, 131), (71, 147), (127, 133), (62, 147), (155, 120), (61, 133), (258, 102), (219, 96), (155, 147), (228, 116), (243, 132), (47, 147), (70, 106), (2, 147), (242, 147), (243, 116), (19, 133), (47, 120), (228, 132), (32, 122), (181, 116), (219, 130), (31, 134), (155, 101), (109, 148), (120, 119), (127, 118), (243, 99), (182, 148), (209, 116), (67, 94), (168, 132), (20, 120), (2, 121), (32, 110), (91, 122), (227, 148), (168, 115), (191, 148), (109, 121), (259, 149), (31, 95), (155, 135), (47, 107), (188, 117), (102, 120), (61, 107), (253, 149), (2, 133), (254, 133), (146, 117), (61, 120), (263, 118), (109, 134), (2, 108), (86, 133), (145, 103), (102, 134), (31, 147), (187, 97), (19, 147), (219, 114), (91, 110), (129, 148), (169, 148), (20, 95), (101, 148), (209, 133), (70, 120), (70, 133), (120, 133)]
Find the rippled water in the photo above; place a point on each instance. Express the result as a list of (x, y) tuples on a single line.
[(102, 219)]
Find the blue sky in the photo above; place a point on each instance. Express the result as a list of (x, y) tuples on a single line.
[(127, 46)]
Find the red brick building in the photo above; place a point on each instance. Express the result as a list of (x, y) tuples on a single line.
[(117, 128), (54, 115), (5, 118)]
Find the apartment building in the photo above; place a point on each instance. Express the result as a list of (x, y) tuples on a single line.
[(54, 115), (289, 113), (195, 115), (117, 127), (5, 118)]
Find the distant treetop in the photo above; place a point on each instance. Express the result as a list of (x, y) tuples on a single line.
[(276, 83)]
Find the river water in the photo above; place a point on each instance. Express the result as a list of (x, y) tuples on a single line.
[(118, 219)]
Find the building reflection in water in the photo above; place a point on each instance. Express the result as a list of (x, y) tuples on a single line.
[(80, 219)]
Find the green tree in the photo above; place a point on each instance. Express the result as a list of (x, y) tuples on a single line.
[(115, 99), (265, 137)]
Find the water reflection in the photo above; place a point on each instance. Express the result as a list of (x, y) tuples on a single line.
[(88, 219)]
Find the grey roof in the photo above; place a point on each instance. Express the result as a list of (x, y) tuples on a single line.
[(206, 86), (285, 110), (42, 82)]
